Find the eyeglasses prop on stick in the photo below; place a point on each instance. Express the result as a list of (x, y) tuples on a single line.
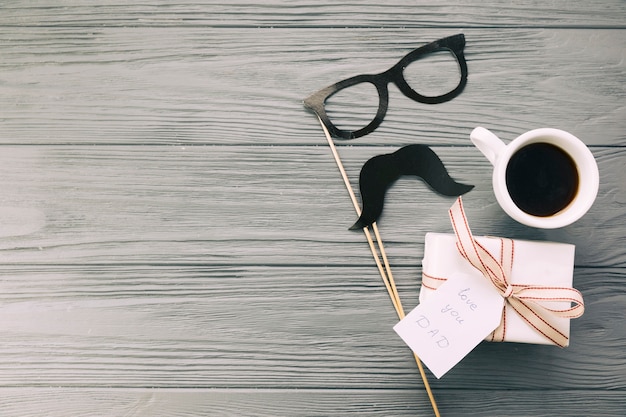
[(454, 46)]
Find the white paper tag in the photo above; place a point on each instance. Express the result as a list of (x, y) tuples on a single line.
[(452, 321)]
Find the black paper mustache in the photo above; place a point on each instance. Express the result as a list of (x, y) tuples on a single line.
[(381, 171)]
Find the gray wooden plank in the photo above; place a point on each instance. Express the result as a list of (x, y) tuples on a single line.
[(241, 13), (205, 326), (253, 205), (310, 403), (185, 85)]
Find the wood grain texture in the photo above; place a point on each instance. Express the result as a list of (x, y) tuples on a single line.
[(245, 86), (253, 205), (194, 326), (301, 13), (173, 231), (303, 402)]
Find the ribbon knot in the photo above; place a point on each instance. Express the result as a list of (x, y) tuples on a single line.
[(537, 305), (508, 292)]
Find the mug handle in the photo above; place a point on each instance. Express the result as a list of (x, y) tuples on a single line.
[(488, 143)]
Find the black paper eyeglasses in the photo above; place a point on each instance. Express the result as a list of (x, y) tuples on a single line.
[(453, 44)]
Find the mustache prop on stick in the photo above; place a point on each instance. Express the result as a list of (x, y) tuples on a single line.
[(383, 265), (381, 171), (317, 102)]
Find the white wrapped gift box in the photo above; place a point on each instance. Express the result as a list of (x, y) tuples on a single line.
[(534, 263)]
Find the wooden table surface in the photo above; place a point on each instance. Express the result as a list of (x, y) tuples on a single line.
[(173, 229)]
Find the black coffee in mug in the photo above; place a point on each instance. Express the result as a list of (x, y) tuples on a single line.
[(541, 179)]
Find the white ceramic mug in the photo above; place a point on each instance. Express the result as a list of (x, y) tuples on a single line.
[(506, 158)]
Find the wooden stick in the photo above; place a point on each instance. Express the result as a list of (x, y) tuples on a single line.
[(385, 272)]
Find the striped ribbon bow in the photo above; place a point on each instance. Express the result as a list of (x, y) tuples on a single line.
[(537, 305)]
